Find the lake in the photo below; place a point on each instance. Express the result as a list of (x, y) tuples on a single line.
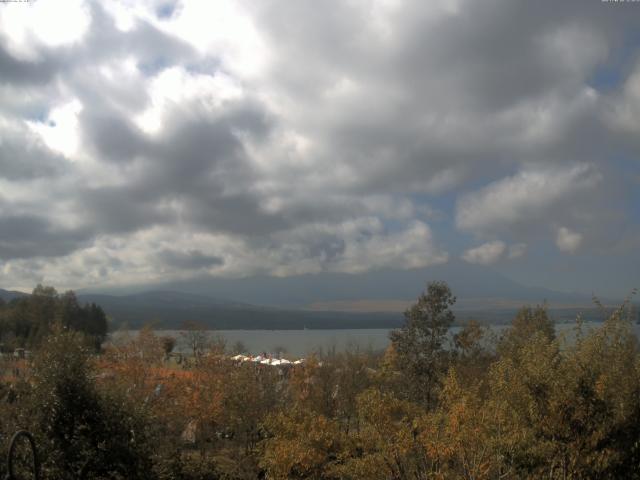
[(300, 343)]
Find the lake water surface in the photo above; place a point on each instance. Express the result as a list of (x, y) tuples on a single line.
[(300, 343)]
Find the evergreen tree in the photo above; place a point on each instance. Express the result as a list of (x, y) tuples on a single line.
[(419, 343)]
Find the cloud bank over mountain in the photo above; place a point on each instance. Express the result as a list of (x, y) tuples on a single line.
[(154, 141)]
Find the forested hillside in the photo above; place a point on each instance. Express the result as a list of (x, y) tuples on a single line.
[(26, 319)]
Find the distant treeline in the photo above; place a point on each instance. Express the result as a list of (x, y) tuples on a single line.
[(25, 321), (256, 319)]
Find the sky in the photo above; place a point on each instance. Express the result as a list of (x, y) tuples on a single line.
[(153, 140)]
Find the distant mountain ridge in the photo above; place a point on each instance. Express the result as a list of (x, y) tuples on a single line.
[(326, 300), (171, 309), (156, 298), (8, 295), (467, 281)]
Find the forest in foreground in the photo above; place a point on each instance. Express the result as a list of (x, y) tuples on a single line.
[(528, 404)]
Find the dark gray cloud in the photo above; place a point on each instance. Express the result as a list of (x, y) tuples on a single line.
[(26, 236), (199, 162), (144, 42), (112, 135), (120, 210), (15, 71), (438, 88), (189, 260), (23, 156)]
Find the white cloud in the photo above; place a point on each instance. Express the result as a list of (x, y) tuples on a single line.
[(567, 240), (412, 247), (27, 25), (224, 29), (485, 254), (624, 112), (60, 130), (353, 246), (175, 86), (524, 197), (349, 247)]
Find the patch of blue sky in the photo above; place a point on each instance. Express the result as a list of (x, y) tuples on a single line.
[(634, 200), (441, 222), (628, 171), (166, 9), (206, 66), (612, 74), (441, 205), (153, 66), (39, 115)]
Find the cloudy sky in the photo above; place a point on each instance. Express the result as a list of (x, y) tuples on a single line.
[(145, 141)]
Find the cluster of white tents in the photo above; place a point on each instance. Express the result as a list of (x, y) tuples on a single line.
[(267, 360)]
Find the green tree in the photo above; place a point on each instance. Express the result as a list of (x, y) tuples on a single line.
[(527, 323), (419, 343), (82, 433), (568, 411), (473, 352), (31, 318)]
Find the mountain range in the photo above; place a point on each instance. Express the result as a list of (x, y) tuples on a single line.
[(473, 284), (325, 300), (8, 295)]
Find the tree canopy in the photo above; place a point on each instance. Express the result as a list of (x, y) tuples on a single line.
[(419, 343), (26, 321)]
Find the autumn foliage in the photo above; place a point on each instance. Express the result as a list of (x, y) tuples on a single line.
[(527, 403)]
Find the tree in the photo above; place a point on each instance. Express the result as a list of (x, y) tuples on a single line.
[(249, 396), (44, 291), (468, 340), (566, 410), (302, 445), (31, 318), (239, 348), (279, 350), (89, 318), (473, 355), (196, 338), (457, 436), (527, 323), (419, 343), (82, 433), (168, 344)]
